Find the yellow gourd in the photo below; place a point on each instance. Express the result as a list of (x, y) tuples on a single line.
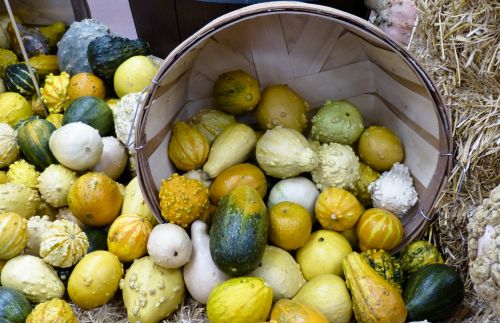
[(55, 92), (44, 64), (7, 57), (56, 119), (337, 209), (374, 299), (128, 236), (24, 173), (286, 310), (183, 200), (188, 148), (54, 311), (13, 235), (379, 229)]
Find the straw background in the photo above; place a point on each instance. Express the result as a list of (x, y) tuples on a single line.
[(458, 42)]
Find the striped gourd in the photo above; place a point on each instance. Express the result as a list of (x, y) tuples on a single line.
[(63, 244), (44, 64), (17, 78), (13, 235), (379, 229), (128, 236), (33, 138)]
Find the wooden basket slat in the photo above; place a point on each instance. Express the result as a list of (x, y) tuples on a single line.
[(348, 50)]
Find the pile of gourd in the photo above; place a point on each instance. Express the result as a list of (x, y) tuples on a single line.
[(72, 217)]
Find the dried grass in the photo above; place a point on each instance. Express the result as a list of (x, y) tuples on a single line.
[(458, 42)]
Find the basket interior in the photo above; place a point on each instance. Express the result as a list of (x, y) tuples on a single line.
[(321, 55)]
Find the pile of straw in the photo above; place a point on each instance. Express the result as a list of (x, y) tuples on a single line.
[(458, 42)]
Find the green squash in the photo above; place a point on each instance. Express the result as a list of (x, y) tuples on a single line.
[(14, 306), (33, 138), (107, 52), (418, 254), (386, 266), (433, 293), (337, 121), (238, 235), (98, 239), (90, 110), (17, 79)]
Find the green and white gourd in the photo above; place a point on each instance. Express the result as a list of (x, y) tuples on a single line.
[(9, 149), (54, 183)]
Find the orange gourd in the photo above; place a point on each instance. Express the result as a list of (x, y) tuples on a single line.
[(337, 209), (288, 311), (379, 229), (84, 84), (188, 148), (128, 236)]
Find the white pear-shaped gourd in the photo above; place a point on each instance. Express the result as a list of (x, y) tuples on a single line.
[(201, 274), (169, 245), (113, 158), (76, 145)]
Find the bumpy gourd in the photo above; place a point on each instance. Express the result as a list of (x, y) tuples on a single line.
[(240, 300), (54, 184), (13, 108), (19, 199), (56, 119), (33, 277), (37, 225), (418, 254), (386, 266), (72, 48), (211, 122), (13, 235), (183, 200), (22, 172), (55, 92), (9, 149), (128, 236), (150, 292), (63, 244), (338, 166), (360, 188), (188, 148), (374, 299), (55, 310)]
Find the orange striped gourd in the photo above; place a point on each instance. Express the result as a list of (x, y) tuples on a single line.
[(13, 235), (63, 244), (128, 236), (188, 148), (379, 229)]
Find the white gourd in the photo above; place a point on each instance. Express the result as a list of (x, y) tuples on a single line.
[(201, 274), (113, 158), (9, 149), (169, 245), (65, 213), (54, 183), (37, 225), (76, 145)]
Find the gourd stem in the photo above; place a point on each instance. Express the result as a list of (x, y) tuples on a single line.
[(25, 55)]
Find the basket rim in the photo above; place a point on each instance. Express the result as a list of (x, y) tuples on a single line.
[(443, 113)]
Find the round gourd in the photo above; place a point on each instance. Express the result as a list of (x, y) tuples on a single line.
[(128, 236), (19, 199), (282, 106), (95, 199), (286, 310), (85, 84), (240, 300), (169, 245), (379, 229), (17, 79), (188, 148), (54, 184), (37, 225), (133, 202), (22, 172), (34, 136), (13, 108), (323, 254), (113, 158), (134, 75), (95, 279), (150, 292), (280, 272), (380, 148), (418, 254), (14, 306), (13, 235), (337, 209), (239, 174), (9, 149), (289, 225), (183, 200), (76, 145), (63, 244), (236, 92), (328, 294), (337, 121), (299, 190), (30, 275), (55, 310), (90, 110)]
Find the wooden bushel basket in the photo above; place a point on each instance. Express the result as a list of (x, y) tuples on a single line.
[(320, 52)]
